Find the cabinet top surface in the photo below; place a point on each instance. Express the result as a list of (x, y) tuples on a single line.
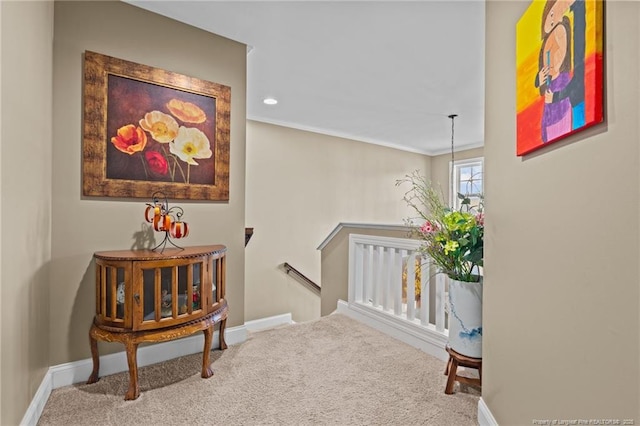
[(168, 253)]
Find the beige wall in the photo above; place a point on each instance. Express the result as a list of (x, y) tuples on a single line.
[(1, 223), (81, 225), (561, 293), (26, 34), (300, 185), (440, 171)]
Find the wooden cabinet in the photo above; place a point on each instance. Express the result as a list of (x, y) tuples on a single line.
[(147, 296)]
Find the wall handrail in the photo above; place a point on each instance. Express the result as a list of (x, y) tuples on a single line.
[(303, 278)]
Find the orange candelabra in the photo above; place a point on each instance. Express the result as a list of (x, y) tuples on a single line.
[(165, 219)]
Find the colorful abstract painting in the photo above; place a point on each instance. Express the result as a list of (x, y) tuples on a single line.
[(559, 71)]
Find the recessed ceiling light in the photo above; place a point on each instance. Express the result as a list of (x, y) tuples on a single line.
[(270, 101)]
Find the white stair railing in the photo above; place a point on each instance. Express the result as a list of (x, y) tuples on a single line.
[(382, 281)]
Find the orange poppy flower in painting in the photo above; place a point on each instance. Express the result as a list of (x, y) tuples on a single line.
[(186, 111), (130, 139)]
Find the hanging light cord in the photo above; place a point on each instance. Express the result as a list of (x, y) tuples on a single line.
[(452, 196)]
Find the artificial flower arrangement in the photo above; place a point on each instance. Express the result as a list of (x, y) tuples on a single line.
[(453, 239)]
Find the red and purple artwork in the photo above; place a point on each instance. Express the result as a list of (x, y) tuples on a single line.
[(559, 77)]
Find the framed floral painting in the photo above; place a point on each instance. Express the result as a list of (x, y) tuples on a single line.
[(148, 130)]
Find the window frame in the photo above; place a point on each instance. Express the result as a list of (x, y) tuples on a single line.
[(454, 169)]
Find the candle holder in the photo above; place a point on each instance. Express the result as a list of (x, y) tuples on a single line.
[(165, 219)]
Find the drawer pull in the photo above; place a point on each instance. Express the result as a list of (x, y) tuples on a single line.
[(137, 297)]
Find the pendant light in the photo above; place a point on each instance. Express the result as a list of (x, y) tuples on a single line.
[(453, 193)]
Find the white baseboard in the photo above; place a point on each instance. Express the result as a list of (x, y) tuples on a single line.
[(485, 418), (79, 371), (431, 343), (32, 415), (270, 322)]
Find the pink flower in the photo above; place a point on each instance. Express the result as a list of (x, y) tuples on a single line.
[(428, 228), (480, 219)]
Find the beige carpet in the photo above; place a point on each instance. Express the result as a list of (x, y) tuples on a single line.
[(332, 371)]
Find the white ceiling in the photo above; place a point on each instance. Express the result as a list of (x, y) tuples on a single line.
[(385, 72)]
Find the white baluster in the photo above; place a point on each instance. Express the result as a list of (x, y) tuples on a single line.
[(358, 273), (388, 279), (425, 292), (378, 263), (411, 286), (397, 283), (367, 256), (440, 284)]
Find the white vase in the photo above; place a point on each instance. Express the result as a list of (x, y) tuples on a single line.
[(465, 318)]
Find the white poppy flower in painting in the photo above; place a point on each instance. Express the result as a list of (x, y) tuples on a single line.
[(189, 144)]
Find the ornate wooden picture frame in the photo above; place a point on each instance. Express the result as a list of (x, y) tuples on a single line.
[(148, 130)]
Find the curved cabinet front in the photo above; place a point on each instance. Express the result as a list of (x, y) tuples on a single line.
[(148, 296)]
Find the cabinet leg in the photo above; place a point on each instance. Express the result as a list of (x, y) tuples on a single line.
[(132, 354), (223, 325), (206, 366), (94, 377)]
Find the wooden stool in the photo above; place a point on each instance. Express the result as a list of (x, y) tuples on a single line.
[(458, 360)]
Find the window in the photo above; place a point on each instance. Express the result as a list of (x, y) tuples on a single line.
[(468, 179)]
